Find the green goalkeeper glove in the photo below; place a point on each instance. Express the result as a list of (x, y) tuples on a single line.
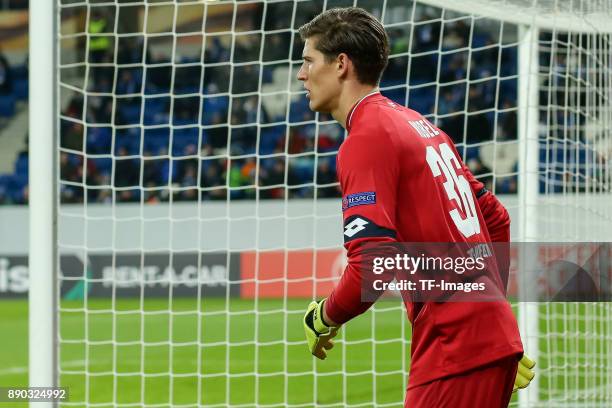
[(524, 374), (318, 333)]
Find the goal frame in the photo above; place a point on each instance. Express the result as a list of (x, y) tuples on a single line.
[(43, 131), (43, 259)]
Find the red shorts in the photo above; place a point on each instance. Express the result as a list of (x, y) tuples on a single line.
[(484, 387)]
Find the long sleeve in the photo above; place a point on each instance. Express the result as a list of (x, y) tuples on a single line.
[(368, 175)]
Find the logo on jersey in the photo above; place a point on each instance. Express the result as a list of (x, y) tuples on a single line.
[(357, 226), (353, 200)]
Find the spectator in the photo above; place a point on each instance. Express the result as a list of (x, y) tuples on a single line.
[(127, 174), (481, 172), (217, 135), (5, 75), (3, 198), (188, 163), (447, 103), (189, 184), (127, 83), (325, 175), (456, 33), (213, 181), (427, 32), (131, 51), (247, 113), (69, 171), (99, 45), (508, 124), (105, 196), (72, 136), (272, 176)]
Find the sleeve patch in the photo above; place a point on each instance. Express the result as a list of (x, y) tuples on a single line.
[(481, 192), (357, 226), (353, 200)]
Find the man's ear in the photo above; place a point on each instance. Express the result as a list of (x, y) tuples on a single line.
[(343, 64)]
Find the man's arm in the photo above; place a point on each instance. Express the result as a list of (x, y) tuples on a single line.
[(497, 220), (368, 173)]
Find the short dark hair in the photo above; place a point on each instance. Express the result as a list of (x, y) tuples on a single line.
[(353, 31)]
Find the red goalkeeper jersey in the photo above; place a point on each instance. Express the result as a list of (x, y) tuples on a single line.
[(403, 181)]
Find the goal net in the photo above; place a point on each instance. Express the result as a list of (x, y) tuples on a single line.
[(198, 210)]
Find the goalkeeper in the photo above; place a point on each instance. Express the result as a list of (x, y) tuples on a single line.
[(403, 181)]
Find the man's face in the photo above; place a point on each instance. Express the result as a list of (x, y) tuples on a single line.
[(320, 78)]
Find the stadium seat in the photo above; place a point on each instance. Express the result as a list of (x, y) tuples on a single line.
[(16, 183), (21, 165), (99, 140), (270, 138), (130, 113), (186, 90), (181, 138), (156, 140), (20, 72), (103, 165), (7, 105), (213, 105), (398, 95), (20, 89), (298, 108)]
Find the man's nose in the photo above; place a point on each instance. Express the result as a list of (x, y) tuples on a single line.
[(301, 76)]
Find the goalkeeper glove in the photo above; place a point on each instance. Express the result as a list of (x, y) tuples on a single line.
[(524, 374), (318, 333)]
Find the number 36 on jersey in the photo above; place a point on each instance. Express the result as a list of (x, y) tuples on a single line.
[(444, 163)]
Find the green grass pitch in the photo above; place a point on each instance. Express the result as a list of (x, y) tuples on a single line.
[(164, 346), (152, 357)]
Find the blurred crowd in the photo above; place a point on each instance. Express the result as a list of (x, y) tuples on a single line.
[(158, 126)]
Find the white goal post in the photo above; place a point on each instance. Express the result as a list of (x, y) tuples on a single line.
[(183, 205), (43, 244)]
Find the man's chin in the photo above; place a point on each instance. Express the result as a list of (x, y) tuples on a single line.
[(316, 107)]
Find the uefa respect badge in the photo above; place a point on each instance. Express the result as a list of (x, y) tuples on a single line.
[(353, 200)]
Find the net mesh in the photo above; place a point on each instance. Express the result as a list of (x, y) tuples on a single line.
[(199, 207)]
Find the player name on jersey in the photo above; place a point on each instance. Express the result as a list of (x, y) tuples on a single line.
[(424, 128)]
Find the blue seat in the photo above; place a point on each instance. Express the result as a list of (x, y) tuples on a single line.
[(15, 187), (267, 74), (305, 172), (270, 137), (397, 95), (182, 138), (20, 72), (187, 90), (421, 100), (298, 108), (21, 165), (156, 140), (131, 114), (386, 82), (4, 180), (185, 122), (479, 40), (99, 140), (164, 170), (472, 152), (20, 89), (128, 139), (213, 105), (7, 105), (156, 111), (103, 165)]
